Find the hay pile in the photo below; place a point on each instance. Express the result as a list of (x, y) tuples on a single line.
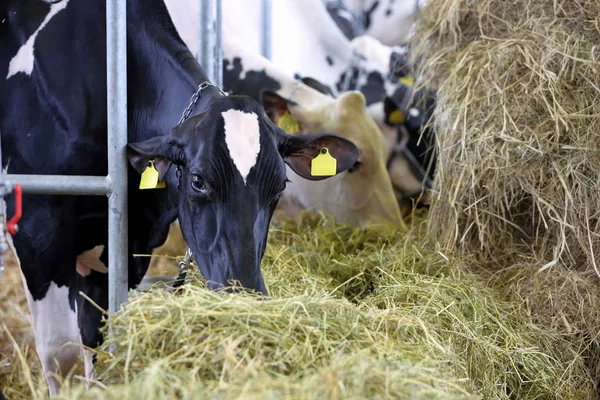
[(517, 127), (352, 314), (518, 139), (18, 364)]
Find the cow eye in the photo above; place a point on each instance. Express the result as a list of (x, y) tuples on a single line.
[(355, 167), (198, 184)]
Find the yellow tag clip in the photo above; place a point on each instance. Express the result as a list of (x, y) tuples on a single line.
[(288, 123), (396, 117), (407, 80), (150, 178), (323, 164)]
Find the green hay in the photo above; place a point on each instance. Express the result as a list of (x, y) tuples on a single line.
[(416, 325)]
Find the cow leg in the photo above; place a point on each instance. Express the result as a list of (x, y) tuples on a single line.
[(56, 334), (92, 279), (90, 371), (55, 329), (47, 267)]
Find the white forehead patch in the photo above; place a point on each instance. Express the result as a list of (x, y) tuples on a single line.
[(23, 61), (242, 136)]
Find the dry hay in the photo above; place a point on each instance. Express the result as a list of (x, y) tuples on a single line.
[(518, 140), (517, 127), (19, 364), (352, 314)]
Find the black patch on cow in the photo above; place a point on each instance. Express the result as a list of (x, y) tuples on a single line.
[(373, 90), (329, 60), (253, 82), (367, 14), (89, 317), (388, 12)]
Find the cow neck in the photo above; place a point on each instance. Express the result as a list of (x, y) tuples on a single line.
[(302, 95), (331, 38), (273, 77), (206, 97), (167, 75)]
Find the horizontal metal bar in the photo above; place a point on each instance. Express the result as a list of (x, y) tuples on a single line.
[(60, 184)]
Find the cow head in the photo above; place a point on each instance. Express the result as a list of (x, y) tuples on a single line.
[(411, 162), (363, 195), (227, 168), (407, 113)]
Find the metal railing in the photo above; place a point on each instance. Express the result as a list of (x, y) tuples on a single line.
[(265, 32), (114, 185)]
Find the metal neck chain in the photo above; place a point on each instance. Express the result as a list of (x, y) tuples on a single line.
[(184, 266), (195, 97)]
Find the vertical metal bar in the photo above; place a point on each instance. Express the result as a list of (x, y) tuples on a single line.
[(116, 85), (362, 6), (265, 32), (218, 48), (200, 32), (207, 32), (3, 244)]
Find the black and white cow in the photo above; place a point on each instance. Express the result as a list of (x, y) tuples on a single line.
[(223, 167), (361, 196), (307, 43), (246, 72)]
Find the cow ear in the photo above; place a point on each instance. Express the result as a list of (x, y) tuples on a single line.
[(156, 148), (299, 151), (282, 112), (317, 85)]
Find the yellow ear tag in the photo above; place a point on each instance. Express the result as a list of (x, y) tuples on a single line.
[(288, 123), (150, 178), (407, 81), (396, 117), (323, 164)]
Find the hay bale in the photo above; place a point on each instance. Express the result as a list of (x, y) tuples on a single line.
[(517, 127), (352, 314)]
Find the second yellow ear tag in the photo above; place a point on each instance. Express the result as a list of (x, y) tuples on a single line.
[(407, 80), (288, 123), (323, 164), (396, 117), (150, 178)]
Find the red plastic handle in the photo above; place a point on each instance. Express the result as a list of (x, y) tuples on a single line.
[(12, 224)]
